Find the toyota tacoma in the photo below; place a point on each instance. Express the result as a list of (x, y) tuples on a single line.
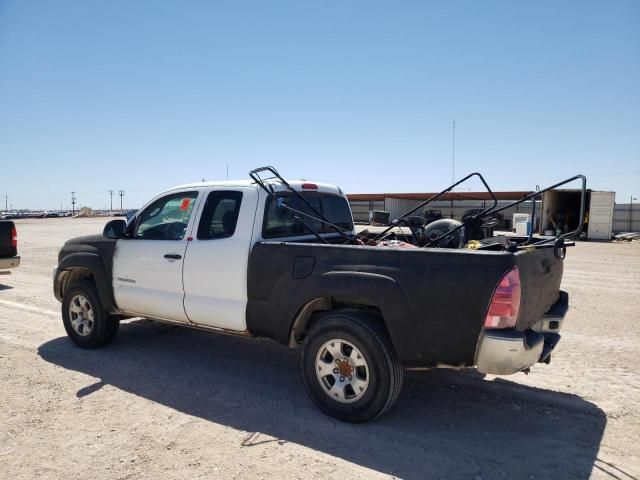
[(282, 260)]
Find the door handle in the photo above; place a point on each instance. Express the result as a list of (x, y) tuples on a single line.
[(173, 256)]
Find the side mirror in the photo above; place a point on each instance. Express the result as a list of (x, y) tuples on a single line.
[(114, 229)]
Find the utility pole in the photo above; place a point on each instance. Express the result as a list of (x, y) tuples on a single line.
[(73, 202), (111, 195), (6, 202), (121, 193), (227, 171), (631, 213)]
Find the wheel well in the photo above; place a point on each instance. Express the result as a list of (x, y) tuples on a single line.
[(75, 275), (309, 314)]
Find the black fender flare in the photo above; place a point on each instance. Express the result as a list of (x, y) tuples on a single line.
[(378, 290), (94, 264)]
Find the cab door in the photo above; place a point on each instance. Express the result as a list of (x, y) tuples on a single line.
[(215, 268), (147, 265)]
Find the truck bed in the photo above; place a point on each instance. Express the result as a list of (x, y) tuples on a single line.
[(433, 301)]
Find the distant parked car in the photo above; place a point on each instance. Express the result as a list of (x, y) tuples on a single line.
[(8, 245), (125, 213)]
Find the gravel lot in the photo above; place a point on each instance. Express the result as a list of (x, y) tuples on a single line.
[(166, 402)]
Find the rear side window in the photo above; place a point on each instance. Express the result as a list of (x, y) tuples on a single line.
[(280, 222), (220, 215)]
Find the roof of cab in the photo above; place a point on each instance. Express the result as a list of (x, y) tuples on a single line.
[(279, 187)]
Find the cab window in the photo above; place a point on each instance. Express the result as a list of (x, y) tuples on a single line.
[(220, 215), (280, 222), (166, 218)]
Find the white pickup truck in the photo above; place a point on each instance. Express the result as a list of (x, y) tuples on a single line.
[(281, 260)]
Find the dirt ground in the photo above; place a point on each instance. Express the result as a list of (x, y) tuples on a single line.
[(166, 402)]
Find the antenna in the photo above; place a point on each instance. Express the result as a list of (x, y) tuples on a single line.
[(453, 161), (453, 154)]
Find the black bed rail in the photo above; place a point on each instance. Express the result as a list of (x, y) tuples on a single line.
[(494, 209), (532, 196), (558, 241), (435, 197)]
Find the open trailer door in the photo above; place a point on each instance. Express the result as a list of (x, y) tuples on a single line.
[(601, 215)]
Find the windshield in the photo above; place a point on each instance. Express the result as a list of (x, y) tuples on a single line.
[(280, 222)]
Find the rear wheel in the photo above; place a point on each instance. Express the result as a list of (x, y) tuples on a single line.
[(349, 366), (85, 320)]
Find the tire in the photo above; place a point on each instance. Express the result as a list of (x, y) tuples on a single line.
[(350, 335), (87, 324)]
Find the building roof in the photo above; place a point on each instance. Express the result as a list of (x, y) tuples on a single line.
[(446, 196)]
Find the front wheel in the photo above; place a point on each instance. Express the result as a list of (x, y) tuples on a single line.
[(349, 366), (86, 322)]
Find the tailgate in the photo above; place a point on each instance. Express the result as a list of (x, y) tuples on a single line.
[(6, 248), (540, 277)]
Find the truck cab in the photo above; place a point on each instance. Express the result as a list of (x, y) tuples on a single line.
[(184, 256)]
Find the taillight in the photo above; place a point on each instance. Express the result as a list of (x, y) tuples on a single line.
[(14, 237), (309, 186), (505, 302)]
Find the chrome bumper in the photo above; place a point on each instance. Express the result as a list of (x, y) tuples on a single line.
[(11, 262), (507, 351), (503, 352)]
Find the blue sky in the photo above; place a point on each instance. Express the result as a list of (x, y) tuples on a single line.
[(99, 95)]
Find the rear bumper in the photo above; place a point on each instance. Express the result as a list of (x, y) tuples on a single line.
[(11, 262), (507, 351)]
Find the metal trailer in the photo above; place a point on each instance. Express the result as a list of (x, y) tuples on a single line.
[(561, 211)]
